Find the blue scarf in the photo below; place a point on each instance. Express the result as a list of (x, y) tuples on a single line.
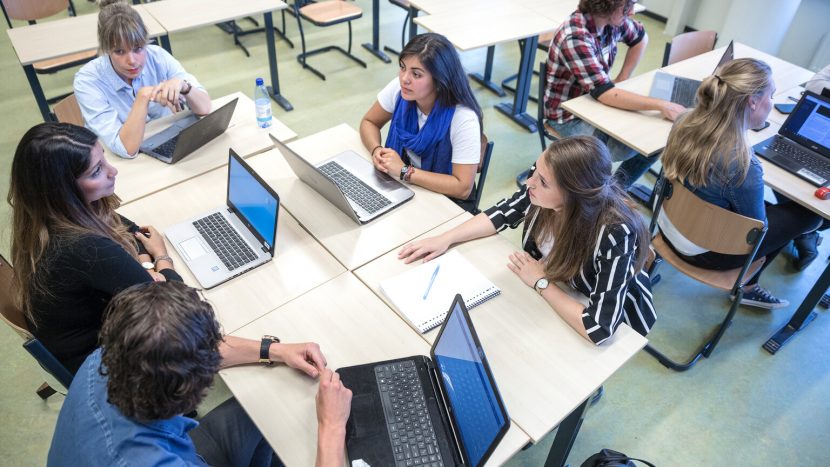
[(432, 142)]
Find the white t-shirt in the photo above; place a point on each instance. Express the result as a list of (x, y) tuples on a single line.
[(465, 131)]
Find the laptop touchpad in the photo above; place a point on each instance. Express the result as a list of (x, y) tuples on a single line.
[(193, 248)]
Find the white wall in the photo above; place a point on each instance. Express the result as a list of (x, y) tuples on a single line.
[(811, 22)]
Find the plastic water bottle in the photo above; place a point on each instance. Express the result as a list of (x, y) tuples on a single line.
[(263, 104)]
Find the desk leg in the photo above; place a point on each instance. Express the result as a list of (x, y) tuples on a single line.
[(413, 28), (566, 435), (374, 47), (488, 71), (37, 90), (802, 316), (516, 112), (165, 43), (274, 89)]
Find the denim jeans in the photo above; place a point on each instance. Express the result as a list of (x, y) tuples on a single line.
[(634, 164)]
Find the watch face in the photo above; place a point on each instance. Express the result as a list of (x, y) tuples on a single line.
[(148, 265), (541, 283)]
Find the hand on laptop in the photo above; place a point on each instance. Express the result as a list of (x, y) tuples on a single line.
[(671, 111), (305, 357)]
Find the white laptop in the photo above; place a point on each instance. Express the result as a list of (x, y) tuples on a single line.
[(232, 240), (683, 90)]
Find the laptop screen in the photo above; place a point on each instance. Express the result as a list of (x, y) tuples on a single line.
[(809, 123), (470, 393), (255, 203)]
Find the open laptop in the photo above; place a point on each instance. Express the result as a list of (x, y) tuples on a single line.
[(229, 241), (802, 145), (188, 134), (440, 411), (349, 182), (683, 90)]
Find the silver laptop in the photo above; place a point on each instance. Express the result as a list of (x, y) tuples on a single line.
[(188, 134), (349, 182), (683, 90), (230, 241)]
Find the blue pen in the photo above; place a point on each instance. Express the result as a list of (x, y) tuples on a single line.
[(431, 281)]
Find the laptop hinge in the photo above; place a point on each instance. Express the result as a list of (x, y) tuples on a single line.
[(442, 401)]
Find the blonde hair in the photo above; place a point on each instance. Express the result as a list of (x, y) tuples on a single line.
[(713, 135), (119, 24)]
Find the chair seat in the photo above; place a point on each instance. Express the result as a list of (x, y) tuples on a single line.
[(723, 280), (330, 12), (54, 64), (401, 3), (544, 40), (551, 131)]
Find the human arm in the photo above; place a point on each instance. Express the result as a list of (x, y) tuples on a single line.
[(632, 57), (171, 88), (370, 126), (305, 356), (432, 247), (627, 100), (153, 243), (747, 197), (458, 184), (333, 407)]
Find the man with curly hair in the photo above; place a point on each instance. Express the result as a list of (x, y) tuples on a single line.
[(581, 55), (160, 349)]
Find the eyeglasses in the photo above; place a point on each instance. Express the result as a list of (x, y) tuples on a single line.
[(628, 7)]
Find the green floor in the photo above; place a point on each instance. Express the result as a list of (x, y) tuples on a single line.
[(742, 407)]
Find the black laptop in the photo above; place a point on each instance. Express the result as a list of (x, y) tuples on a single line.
[(419, 411), (802, 145)]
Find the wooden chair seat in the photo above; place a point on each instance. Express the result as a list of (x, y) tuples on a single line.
[(58, 63), (68, 111), (400, 3), (544, 40), (723, 280), (330, 12)]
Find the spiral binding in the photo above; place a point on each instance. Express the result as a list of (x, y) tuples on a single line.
[(471, 303)]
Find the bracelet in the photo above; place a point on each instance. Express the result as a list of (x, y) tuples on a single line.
[(164, 258), (409, 171), (375, 149)]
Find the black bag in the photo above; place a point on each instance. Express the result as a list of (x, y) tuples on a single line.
[(611, 458)]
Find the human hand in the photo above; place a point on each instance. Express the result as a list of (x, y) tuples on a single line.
[(389, 162), (528, 269), (334, 402), (152, 240), (147, 93), (305, 357), (428, 248), (157, 277), (670, 110), (169, 94), (376, 161)]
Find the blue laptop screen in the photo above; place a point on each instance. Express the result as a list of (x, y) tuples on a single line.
[(811, 121), (252, 200), (469, 393)]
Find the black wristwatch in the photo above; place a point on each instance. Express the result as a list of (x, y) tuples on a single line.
[(264, 347), (404, 170)]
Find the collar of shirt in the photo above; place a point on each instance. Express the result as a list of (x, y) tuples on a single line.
[(118, 83), (177, 426)]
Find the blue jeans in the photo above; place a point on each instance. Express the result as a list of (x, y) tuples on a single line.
[(634, 164), (226, 436)]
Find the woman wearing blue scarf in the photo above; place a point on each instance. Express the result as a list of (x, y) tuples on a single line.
[(434, 138)]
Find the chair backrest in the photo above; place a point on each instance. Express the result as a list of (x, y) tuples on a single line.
[(68, 111), (706, 225), (688, 45), (31, 10), (483, 167), (540, 107), (48, 362), (9, 310)]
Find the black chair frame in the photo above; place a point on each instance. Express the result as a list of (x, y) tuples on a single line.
[(307, 53)]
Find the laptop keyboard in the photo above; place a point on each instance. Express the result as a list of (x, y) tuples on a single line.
[(808, 160), (224, 241), (354, 188), (683, 92), (407, 418), (166, 149)]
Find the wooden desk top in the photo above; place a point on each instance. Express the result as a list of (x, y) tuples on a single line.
[(144, 175), (544, 368), (181, 15), (353, 329), (353, 245), (783, 97), (52, 39), (299, 264), (647, 132)]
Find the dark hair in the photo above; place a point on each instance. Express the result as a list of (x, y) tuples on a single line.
[(600, 7), (46, 200), (581, 167), (160, 349), (439, 57)]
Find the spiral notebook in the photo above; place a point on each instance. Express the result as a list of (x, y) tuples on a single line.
[(455, 276)]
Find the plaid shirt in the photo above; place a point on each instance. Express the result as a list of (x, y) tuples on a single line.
[(580, 59)]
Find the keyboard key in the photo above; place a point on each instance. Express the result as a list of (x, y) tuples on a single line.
[(354, 188)]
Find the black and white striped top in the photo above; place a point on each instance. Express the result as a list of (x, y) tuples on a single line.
[(615, 291)]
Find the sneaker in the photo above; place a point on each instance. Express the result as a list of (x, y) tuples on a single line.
[(762, 298)]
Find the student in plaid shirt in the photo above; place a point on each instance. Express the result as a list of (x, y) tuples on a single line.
[(582, 52)]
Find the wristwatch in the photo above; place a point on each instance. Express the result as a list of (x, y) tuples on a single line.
[(148, 265), (404, 170), (189, 87), (265, 345), (541, 285)]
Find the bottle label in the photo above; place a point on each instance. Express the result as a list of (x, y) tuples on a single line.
[(263, 114)]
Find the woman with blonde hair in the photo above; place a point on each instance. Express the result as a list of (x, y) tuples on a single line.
[(132, 82), (580, 228), (708, 151), (71, 251)]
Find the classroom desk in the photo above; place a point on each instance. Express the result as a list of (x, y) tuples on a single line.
[(374, 46), (53, 39), (545, 370), (144, 175), (299, 264), (784, 96), (181, 15), (647, 132), (353, 245), (353, 328)]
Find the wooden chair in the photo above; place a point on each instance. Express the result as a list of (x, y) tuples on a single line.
[(28, 10), (688, 45), (405, 5), (68, 111), (326, 13), (715, 229), (13, 316)]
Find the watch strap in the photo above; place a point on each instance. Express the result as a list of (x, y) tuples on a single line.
[(264, 348)]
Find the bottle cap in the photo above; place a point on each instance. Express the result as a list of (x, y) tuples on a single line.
[(259, 82)]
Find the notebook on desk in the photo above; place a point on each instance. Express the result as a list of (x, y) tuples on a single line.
[(420, 411), (420, 292), (683, 90)]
